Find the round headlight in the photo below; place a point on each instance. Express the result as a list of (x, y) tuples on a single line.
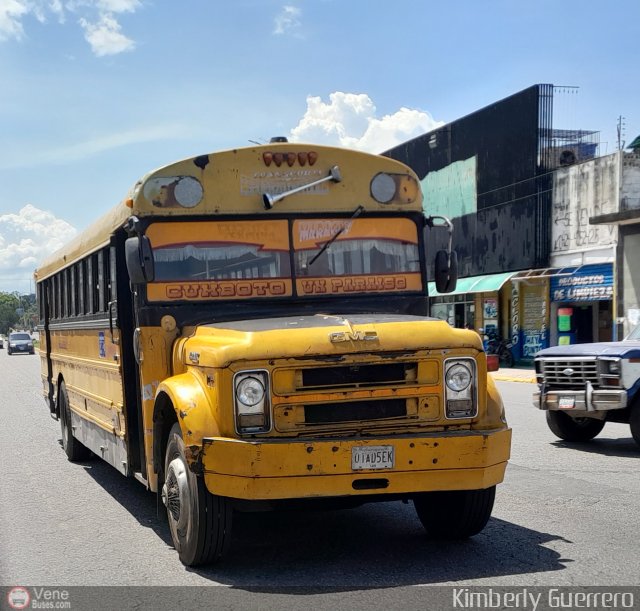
[(250, 391), (383, 188), (458, 377)]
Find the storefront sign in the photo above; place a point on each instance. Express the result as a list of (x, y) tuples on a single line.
[(534, 319), (587, 283), (515, 320), (490, 308)]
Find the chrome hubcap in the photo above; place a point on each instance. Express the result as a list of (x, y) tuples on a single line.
[(175, 492)]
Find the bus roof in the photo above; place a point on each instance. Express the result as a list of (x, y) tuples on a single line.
[(235, 181)]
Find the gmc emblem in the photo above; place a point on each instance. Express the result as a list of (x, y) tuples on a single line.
[(353, 336)]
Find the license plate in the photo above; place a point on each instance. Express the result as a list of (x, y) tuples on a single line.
[(372, 457), (566, 402)]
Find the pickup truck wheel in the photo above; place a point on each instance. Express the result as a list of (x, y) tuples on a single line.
[(200, 522), (634, 422), (573, 429), (455, 514)]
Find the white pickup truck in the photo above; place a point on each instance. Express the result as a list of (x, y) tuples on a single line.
[(582, 386)]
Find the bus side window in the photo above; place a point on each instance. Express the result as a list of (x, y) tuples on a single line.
[(67, 292), (113, 275), (79, 273), (93, 284)]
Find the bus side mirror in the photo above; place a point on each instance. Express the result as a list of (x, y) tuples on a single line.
[(446, 271), (139, 258)]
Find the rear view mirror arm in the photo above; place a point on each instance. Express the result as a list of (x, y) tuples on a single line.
[(444, 224)]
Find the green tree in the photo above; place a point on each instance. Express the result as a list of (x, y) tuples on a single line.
[(27, 311), (9, 316)]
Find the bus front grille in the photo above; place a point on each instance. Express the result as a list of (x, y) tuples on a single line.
[(326, 413), (357, 376)]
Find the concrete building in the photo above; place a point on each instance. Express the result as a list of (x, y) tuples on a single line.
[(523, 197), (623, 217)]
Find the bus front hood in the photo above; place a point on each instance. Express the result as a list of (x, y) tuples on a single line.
[(219, 345)]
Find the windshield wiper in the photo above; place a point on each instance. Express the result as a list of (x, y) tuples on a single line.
[(357, 212), (269, 200)]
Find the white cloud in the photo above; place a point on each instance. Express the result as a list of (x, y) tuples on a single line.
[(57, 9), (26, 238), (119, 6), (349, 119), (96, 17), (11, 12), (288, 21), (105, 36)]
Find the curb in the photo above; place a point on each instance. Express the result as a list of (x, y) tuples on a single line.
[(505, 378)]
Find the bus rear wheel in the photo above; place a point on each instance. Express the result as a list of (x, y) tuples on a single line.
[(74, 450), (200, 522), (455, 514), (573, 429)]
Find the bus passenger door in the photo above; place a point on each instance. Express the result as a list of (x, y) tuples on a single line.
[(123, 311)]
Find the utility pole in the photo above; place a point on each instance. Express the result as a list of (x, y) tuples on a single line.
[(621, 132)]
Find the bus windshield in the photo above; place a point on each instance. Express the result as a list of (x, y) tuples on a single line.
[(241, 259)]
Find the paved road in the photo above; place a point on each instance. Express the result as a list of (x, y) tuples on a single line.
[(565, 515)]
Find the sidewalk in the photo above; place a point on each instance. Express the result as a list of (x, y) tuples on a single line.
[(515, 374)]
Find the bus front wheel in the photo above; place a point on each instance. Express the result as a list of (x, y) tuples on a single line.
[(455, 514), (74, 450), (200, 522)]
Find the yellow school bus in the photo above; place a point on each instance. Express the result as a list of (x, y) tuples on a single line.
[(250, 328)]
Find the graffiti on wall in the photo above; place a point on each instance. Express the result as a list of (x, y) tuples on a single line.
[(571, 229), (581, 192)]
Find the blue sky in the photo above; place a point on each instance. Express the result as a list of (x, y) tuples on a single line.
[(95, 93)]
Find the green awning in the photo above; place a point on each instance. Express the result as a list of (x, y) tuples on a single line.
[(475, 284)]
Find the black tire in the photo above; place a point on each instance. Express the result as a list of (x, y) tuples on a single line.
[(74, 450), (573, 429), (507, 357), (201, 535), (456, 514), (634, 422)]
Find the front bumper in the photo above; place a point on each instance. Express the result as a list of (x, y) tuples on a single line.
[(22, 348), (285, 469), (587, 400)]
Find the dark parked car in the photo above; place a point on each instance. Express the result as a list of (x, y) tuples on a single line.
[(20, 342)]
